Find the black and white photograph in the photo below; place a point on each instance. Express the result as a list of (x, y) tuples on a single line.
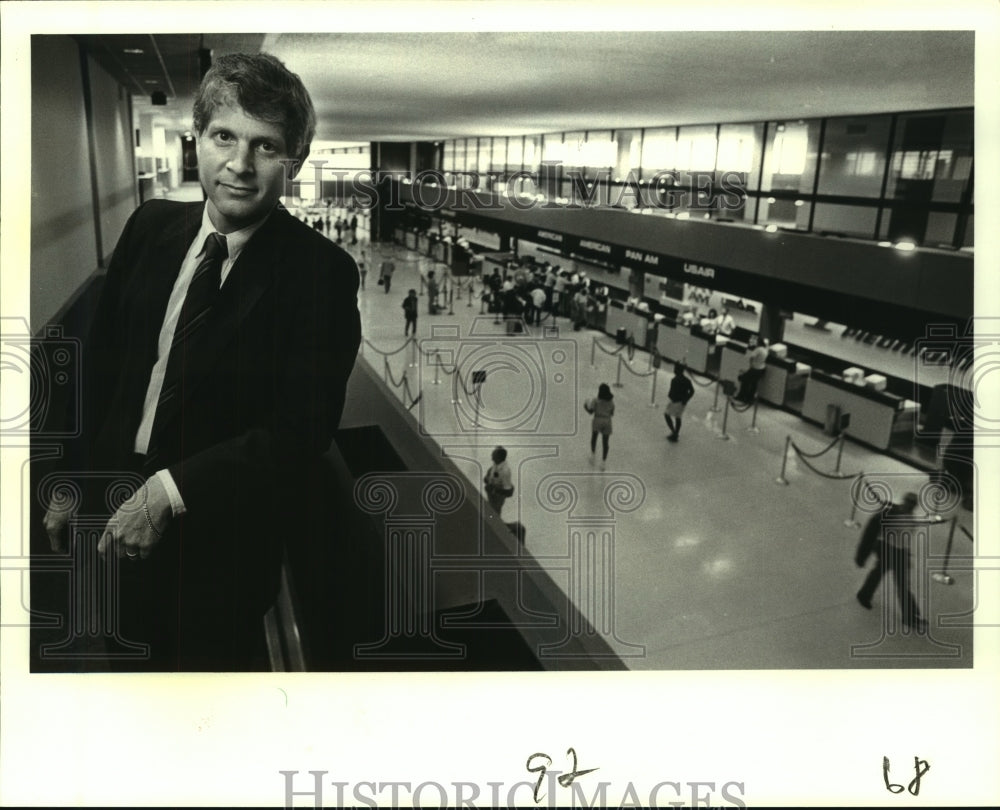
[(402, 400)]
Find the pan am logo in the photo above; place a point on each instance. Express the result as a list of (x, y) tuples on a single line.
[(699, 270)]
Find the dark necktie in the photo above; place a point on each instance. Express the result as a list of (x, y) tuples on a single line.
[(201, 296)]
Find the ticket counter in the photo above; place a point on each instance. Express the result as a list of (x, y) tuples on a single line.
[(874, 415), (678, 343), (784, 382), (635, 324)]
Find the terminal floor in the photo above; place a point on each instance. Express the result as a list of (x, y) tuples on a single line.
[(720, 567)]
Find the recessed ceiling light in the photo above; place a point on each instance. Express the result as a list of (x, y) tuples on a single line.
[(905, 246), (771, 228), (150, 81), (133, 50)]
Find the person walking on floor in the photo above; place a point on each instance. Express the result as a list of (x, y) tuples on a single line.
[(498, 482), (385, 274), (602, 407), (410, 304), (892, 554), (432, 293), (681, 391)]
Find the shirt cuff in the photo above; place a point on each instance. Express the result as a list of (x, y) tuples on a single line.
[(176, 501)]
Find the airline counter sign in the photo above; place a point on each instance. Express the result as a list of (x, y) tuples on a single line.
[(643, 258), (699, 270)]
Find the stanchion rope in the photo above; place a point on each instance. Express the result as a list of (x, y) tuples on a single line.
[(834, 476), (388, 354), (826, 449), (737, 408), (708, 379)]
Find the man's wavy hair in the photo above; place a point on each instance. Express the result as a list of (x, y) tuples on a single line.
[(266, 90)]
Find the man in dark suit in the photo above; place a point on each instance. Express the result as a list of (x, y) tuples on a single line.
[(216, 369)]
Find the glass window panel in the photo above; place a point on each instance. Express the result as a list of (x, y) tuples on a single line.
[(659, 150), (515, 152), (968, 240), (532, 152), (849, 220), (740, 147), (573, 145), (553, 150), (458, 158), (627, 153), (485, 153), (854, 151), (784, 213), (498, 158), (790, 156), (696, 151), (599, 153), (448, 159), (932, 156), (741, 210), (940, 228)]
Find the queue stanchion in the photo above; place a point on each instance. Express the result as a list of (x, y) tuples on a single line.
[(437, 367), (482, 302), (715, 402), (652, 396), (784, 463), (593, 349), (840, 452), (470, 292), (725, 418), (421, 292), (451, 299), (943, 576), (413, 354), (618, 376), (852, 522), (753, 422)]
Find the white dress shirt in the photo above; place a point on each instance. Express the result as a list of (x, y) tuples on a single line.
[(235, 242)]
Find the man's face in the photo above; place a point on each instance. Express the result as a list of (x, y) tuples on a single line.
[(240, 168)]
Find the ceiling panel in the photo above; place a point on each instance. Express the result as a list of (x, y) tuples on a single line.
[(433, 86)]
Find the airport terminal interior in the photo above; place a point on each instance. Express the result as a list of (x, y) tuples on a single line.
[(824, 215)]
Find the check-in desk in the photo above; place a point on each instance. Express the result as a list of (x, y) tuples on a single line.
[(423, 243), (679, 343), (441, 251), (874, 415), (784, 382), (635, 324), (411, 240), (732, 360)]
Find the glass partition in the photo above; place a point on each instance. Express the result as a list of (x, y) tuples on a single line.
[(659, 151), (931, 156), (790, 156), (923, 161), (853, 161)]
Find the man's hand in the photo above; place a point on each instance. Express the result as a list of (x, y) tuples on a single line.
[(139, 524), (56, 522)]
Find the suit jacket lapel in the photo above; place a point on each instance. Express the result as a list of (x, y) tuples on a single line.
[(247, 280)]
